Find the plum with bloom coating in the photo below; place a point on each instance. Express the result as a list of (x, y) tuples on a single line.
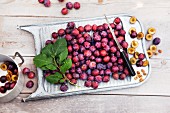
[(63, 87)]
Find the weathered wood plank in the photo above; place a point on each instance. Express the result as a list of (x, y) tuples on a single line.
[(33, 8), (91, 104)]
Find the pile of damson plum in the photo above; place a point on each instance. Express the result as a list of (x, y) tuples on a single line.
[(94, 53)]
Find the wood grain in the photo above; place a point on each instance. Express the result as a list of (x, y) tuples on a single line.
[(152, 97), (91, 104)]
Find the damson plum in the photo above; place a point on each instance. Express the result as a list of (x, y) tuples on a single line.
[(77, 5), (115, 76), (29, 84), (73, 81), (75, 59), (113, 59), (75, 32), (98, 60), (106, 59), (113, 49), (98, 78), (71, 25), (68, 37), (31, 75), (104, 44), (3, 79), (76, 47), (100, 28), (108, 72), (115, 69), (90, 78), (106, 78), (64, 87), (78, 70), (156, 41), (101, 72), (87, 44), (54, 35), (76, 75), (92, 65), (88, 62), (97, 37), (61, 32), (120, 61), (103, 34), (83, 76), (88, 83), (95, 72), (105, 26), (47, 3), (68, 31), (69, 76), (87, 28), (70, 49), (87, 53), (118, 27), (94, 27), (101, 66), (95, 85), (84, 67), (107, 48), (69, 5), (3, 89), (81, 57), (103, 53), (117, 20), (25, 71), (64, 11), (98, 45), (109, 65), (122, 76), (92, 48), (81, 40), (81, 29), (41, 1)]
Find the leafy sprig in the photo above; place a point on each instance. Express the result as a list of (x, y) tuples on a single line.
[(54, 57)]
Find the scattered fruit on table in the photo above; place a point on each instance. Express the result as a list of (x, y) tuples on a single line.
[(30, 84), (64, 11), (156, 41), (30, 74), (47, 3), (9, 80)]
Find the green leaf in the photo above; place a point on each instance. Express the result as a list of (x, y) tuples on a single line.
[(66, 65), (63, 55), (51, 67), (62, 80), (55, 78), (42, 60), (47, 50), (59, 46), (44, 68)]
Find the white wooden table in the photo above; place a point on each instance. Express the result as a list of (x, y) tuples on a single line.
[(152, 97)]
